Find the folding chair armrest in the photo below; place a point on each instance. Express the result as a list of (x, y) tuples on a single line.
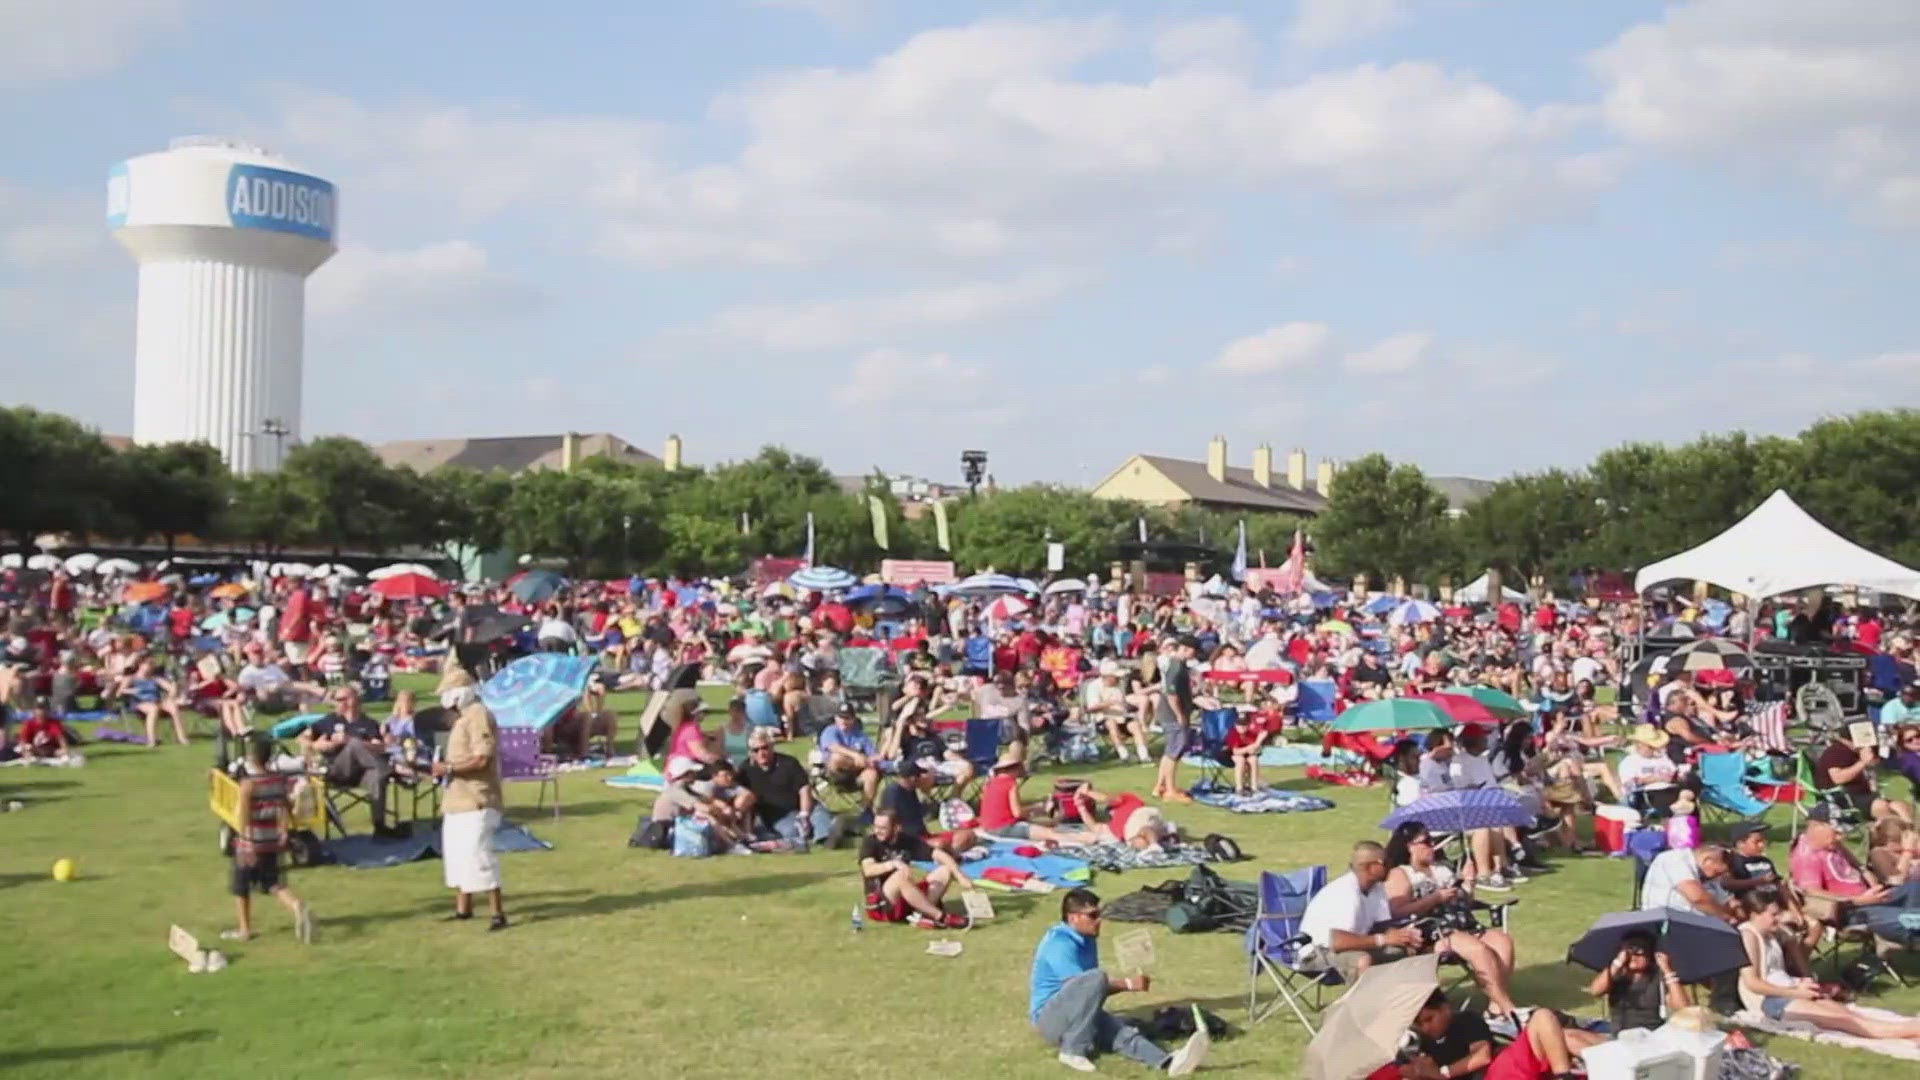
[(1297, 941), (1825, 907)]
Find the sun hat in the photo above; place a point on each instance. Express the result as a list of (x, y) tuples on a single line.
[(1112, 667), (453, 677), (1012, 759), (1648, 735)]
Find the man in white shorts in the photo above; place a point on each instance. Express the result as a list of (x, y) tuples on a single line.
[(471, 808)]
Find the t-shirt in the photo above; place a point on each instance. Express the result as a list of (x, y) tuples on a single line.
[(673, 801), (1239, 735), (1342, 906), (1749, 867), (855, 740), (1827, 871), (1898, 712), (1467, 1029), (1177, 684), (325, 727), (363, 727), (994, 800), (41, 728), (927, 747), (1634, 1002), (903, 846), (904, 804), (1665, 874), (1639, 771), (474, 733), (776, 788), (263, 679), (1839, 755), (1063, 953)]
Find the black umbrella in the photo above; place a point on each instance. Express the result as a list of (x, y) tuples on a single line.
[(1699, 946)]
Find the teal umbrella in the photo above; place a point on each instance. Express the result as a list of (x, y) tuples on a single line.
[(1393, 714), (1498, 702)]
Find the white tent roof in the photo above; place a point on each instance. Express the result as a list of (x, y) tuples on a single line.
[(1780, 548), (1475, 592)]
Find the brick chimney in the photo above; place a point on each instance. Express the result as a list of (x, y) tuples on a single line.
[(1324, 479), (1263, 465), (1297, 469), (670, 458), (1217, 459)]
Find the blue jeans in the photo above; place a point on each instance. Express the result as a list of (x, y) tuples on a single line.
[(788, 828), (1074, 1020), (1884, 918)]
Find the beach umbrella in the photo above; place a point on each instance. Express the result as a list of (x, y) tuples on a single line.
[(1413, 611), (533, 691), (1380, 605), (1393, 714), (1028, 586), (409, 587), (883, 600), (987, 585), (401, 568), (778, 588), (1499, 702), (232, 590), (116, 567), (11, 561), (1066, 585), (1709, 654), (290, 569), (1007, 607), (43, 561), (1462, 709), (1463, 811), (220, 620), (536, 586), (1700, 946), (1366, 1028), (141, 592), (82, 563), (1336, 626), (822, 579)]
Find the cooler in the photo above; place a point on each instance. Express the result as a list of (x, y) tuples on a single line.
[(1611, 825)]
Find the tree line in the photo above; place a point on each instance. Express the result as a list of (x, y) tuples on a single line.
[(1631, 505)]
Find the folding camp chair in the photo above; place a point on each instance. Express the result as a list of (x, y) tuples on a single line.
[(1276, 947), (978, 657), (1316, 705), (521, 762), (867, 676), (980, 742), (1212, 751), (1723, 788), (1846, 814)]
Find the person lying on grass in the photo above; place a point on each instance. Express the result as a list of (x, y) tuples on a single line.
[(1003, 815), (1457, 1043), (887, 855)]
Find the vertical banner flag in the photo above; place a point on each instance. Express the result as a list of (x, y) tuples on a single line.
[(1056, 556), (879, 511), (940, 535), (745, 527), (808, 557), (1240, 554), (1142, 523)]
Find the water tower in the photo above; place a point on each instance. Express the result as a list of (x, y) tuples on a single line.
[(225, 235)]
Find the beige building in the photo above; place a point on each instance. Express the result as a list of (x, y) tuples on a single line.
[(1165, 481), (520, 453)]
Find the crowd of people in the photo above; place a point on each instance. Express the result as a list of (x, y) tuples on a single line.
[(881, 685)]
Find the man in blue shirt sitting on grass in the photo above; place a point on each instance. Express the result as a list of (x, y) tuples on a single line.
[(1070, 992)]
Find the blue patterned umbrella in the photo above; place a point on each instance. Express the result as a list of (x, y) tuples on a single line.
[(987, 585), (534, 690), (536, 586), (1463, 811), (1413, 611), (822, 579)]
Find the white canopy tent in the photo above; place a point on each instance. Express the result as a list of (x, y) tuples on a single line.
[(1780, 548), (1475, 592)]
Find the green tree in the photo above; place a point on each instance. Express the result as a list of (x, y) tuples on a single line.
[(1384, 520), (266, 509), (349, 496), (1857, 475), (1008, 529), (59, 478), (173, 489), (1527, 525)]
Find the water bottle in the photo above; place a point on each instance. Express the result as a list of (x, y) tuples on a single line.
[(859, 918)]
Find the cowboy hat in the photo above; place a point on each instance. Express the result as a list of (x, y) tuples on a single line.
[(1012, 759), (1649, 735), (453, 677)]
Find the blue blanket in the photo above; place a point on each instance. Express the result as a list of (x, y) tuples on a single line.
[(369, 852), (1263, 801), (1054, 869), (1289, 755)]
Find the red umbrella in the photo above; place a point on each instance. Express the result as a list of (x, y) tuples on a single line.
[(409, 587), (1463, 709)]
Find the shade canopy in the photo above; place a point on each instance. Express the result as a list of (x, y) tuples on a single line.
[(1475, 592), (1780, 548)]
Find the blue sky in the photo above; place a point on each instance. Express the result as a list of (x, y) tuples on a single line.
[(1481, 236)]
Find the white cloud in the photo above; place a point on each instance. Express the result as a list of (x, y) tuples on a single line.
[(1827, 89), (1318, 24), (450, 280), (46, 40), (1904, 364), (889, 375), (832, 324), (1392, 355), (1287, 346)]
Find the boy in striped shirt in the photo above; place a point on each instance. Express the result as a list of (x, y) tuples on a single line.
[(264, 806)]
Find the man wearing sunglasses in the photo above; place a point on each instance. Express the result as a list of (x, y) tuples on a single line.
[(1070, 993)]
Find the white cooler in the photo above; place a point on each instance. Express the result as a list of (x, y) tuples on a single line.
[(1667, 1054)]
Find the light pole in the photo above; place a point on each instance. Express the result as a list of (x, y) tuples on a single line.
[(276, 428), (973, 468)]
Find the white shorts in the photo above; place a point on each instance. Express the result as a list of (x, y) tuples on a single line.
[(297, 651), (466, 847)]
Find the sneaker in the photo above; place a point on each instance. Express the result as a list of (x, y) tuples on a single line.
[(1495, 883), (303, 923), (499, 922), (1518, 876), (1188, 1058), (1076, 1062), (234, 935), (957, 921)]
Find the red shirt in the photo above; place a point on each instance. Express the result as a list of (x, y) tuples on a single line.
[(1240, 735), (296, 622), (1121, 810), (994, 799), (42, 727), (180, 620)]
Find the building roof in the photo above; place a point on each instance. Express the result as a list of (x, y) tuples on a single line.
[(1239, 489), (510, 453), (1460, 491)]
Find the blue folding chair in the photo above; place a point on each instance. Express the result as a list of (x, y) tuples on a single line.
[(1276, 947), (1723, 788), (1211, 754), (761, 711), (1315, 706), (978, 656), (981, 745)]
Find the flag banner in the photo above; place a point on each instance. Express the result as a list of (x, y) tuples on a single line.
[(879, 511), (1240, 555), (807, 557), (940, 534), (1056, 556)]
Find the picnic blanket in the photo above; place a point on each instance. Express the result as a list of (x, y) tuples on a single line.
[(1262, 801), (644, 775), (1063, 871), (1117, 857), (1897, 1048), (1290, 755), (370, 852)]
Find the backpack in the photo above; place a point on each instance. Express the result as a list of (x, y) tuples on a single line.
[(693, 837), (1221, 848), (653, 835), (1150, 904), (1209, 901)]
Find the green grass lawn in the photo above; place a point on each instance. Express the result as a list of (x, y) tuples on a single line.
[(620, 963)]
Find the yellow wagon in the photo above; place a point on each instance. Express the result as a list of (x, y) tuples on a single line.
[(305, 823)]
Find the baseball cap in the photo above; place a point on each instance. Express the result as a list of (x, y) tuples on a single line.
[(908, 770), (681, 768), (1747, 828)]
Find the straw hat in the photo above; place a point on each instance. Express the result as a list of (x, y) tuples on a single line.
[(1648, 735), (1012, 759), (453, 677)]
